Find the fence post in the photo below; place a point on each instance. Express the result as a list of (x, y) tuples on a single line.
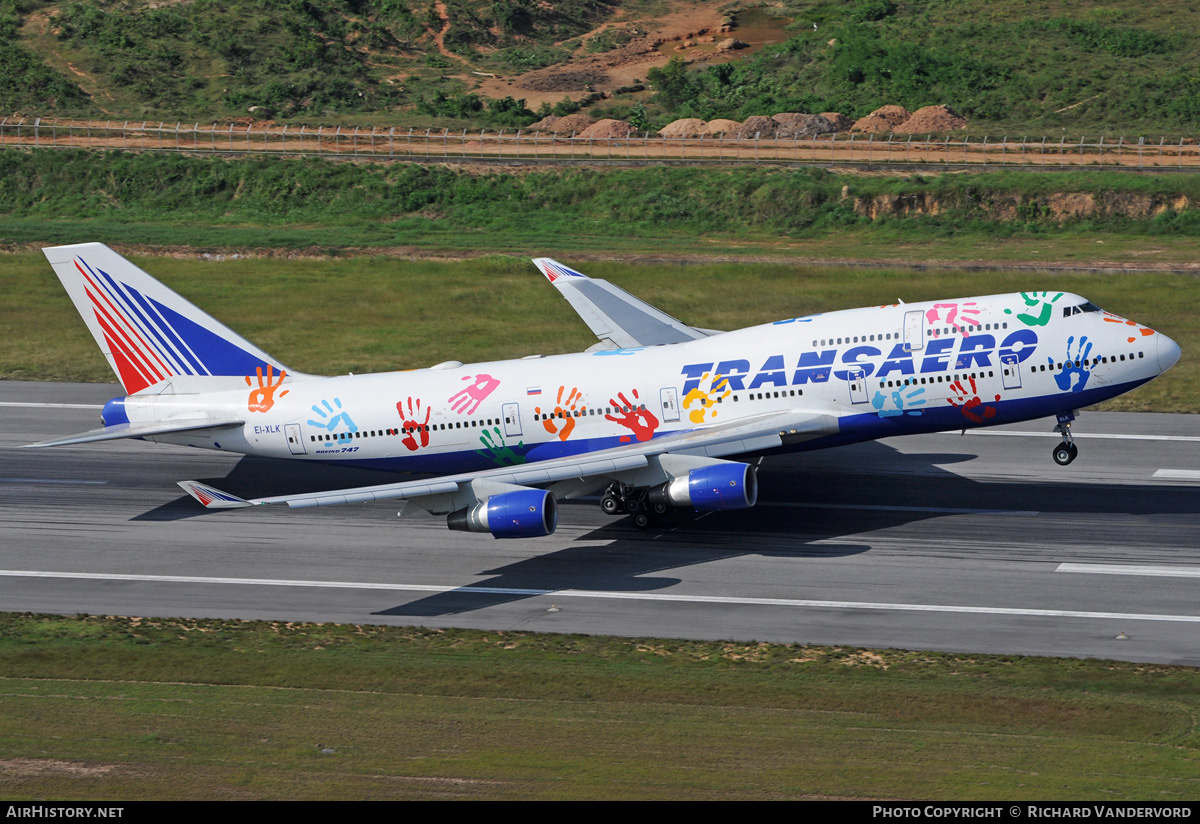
[(517, 144), (392, 143), (249, 145), (870, 145), (1003, 150), (410, 131), (1160, 151), (178, 146), (1181, 152), (947, 148), (1062, 151), (1141, 144), (537, 135), (1023, 140), (851, 160), (212, 138), (354, 143), (463, 144), (446, 143), (231, 137)]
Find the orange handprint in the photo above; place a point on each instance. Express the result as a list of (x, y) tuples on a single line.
[(564, 412), (706, 400), (1111, 318), (414, 429), (262, 398), (640, 421)]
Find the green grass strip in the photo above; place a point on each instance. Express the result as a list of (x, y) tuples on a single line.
[(121, 708)]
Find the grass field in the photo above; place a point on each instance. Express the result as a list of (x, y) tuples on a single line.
[(122, 709), (378, 314)]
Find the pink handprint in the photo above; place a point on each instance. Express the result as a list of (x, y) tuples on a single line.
[(467, 401), (414, 429), (957, 316)]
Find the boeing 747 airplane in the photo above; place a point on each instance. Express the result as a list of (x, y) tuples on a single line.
[(656, 415)]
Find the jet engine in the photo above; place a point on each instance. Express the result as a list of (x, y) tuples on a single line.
[(526, 513), (720, 486)]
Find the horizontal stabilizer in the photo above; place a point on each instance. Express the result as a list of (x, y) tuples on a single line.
[(141, 430), (616, 317), (211, 497)]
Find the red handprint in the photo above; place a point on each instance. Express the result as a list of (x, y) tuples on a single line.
[(640, 421), (564, 411), (969, 403), (468, 400), (412, 427), (262, 398)]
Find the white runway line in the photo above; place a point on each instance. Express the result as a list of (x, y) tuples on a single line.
[(54, 405), (1015, 433), (619, 596), (35, 481), (1131, 569), (1178, 474), (937, 510)]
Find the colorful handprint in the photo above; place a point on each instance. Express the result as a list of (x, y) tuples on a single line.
[(561, 421), (638, 420), (1045, 310), (901, 402), (331, 420), (467, 401), (494, 448), (262, 397), (706, 401), (416, 431), (960, 317), (1076, 369), (969, 402)]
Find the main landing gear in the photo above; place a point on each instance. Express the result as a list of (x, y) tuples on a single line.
[(1066, 451), (620, 498)]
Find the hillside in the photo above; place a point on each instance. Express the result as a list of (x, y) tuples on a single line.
[(1010, 67)]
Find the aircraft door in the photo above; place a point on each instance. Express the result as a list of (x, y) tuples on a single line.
[(914, 331), (857, 381), (670, 404), (294, 438), (1011, 370), (512, 419)]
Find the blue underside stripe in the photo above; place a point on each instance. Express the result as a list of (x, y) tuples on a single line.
[(867, 426)]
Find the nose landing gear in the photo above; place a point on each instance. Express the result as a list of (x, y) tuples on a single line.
[(1066, 451)]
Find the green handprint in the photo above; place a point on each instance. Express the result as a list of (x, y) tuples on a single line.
[(1033, 299), (495, 448)]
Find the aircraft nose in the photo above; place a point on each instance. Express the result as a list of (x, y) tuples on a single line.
[(1168, 352)]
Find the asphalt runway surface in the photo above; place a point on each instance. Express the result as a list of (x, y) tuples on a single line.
[(977, 543)]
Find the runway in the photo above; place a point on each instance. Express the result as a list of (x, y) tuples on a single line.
[(976, 544)]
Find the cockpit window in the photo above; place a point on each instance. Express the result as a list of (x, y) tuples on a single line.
[(1080, 309)]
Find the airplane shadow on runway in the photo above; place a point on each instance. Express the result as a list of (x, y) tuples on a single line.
[(808, 503)]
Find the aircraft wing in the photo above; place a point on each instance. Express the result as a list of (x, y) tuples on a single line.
[(141, 430), (617, 318), (443, 494)]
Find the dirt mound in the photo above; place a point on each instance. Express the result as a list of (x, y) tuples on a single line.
[(607, 128), (757, 125), (546, 124), (717, 127), (801, 125), (894, 115), (932, 119), (572, 123), (871, 124), (566, 81), (840, 122), (687, 127)]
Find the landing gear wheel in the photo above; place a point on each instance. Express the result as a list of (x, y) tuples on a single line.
[(660, 508), (1064, 453), (610, 505), (641, 520)]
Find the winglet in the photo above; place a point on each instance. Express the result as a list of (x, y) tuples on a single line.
[(553, 270), (211, 497)]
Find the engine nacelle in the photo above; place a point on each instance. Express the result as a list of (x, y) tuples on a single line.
[(720, 486), (526, 513)]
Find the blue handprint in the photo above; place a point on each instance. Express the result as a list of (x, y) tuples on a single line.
[(903, 402), (329, 421), (1072, 373)]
